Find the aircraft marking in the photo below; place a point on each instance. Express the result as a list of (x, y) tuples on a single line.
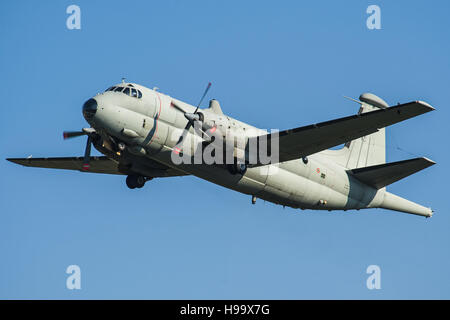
[(156, 120)]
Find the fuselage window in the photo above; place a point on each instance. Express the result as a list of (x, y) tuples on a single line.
[(133, 93), (139, 94), (118, 89), (127, 91), (109, 89)]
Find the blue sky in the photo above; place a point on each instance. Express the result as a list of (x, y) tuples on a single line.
[(273, 65)]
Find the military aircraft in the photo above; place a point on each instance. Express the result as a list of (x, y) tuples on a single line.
[(140, 131)]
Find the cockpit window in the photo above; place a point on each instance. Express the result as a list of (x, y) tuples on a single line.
[(135, 93)]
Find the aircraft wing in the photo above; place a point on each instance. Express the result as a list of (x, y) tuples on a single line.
[(97, 165), (303, 141)]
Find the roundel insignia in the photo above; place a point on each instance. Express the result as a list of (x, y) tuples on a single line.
[(318, 170)]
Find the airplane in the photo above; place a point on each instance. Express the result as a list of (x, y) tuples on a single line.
[(140, 131)]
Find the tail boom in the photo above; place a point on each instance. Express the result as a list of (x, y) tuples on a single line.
[(396, 203)]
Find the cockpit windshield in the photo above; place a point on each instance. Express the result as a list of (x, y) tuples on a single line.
[(132, 92)]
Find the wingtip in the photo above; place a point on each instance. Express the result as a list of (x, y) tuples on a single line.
[(15, 161), (426, 105), (429, 160)]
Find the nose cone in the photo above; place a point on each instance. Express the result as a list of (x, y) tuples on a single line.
[(89, 109)]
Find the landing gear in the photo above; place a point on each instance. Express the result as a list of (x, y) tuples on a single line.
[(238, 167), (135, 181), (121, 146)]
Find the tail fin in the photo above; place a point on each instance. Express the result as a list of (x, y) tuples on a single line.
[(366, 160), (366, 151)]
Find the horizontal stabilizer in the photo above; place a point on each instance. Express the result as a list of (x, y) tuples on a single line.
[(382, 175)]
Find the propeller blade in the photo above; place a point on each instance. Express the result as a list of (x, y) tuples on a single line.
[(191, 117), (177, 107), (204, 94), (87, 154), (72, 134), (183, 135)]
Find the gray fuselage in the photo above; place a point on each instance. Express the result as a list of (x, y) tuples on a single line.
[(317, 183)]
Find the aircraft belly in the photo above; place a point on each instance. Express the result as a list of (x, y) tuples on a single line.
[(213, 173), (284, 187), (276, 196), (250, 186), (284, 180)]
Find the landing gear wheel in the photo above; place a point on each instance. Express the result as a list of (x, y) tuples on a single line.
[(135, 181), (140, 181), (130, 182)]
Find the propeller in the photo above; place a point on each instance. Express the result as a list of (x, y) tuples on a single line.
[(73, 134), (90, 133), (87, 154), (191, 117)]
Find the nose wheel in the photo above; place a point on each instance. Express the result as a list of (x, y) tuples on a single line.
[(136, 181)]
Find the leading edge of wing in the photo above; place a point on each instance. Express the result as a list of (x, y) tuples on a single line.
[(97, 164), (100, 164), (303, 141)]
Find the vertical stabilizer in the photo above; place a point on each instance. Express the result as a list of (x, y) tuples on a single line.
[(366, 151)]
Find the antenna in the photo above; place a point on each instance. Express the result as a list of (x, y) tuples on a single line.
[(123, 79), (354, 100)]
